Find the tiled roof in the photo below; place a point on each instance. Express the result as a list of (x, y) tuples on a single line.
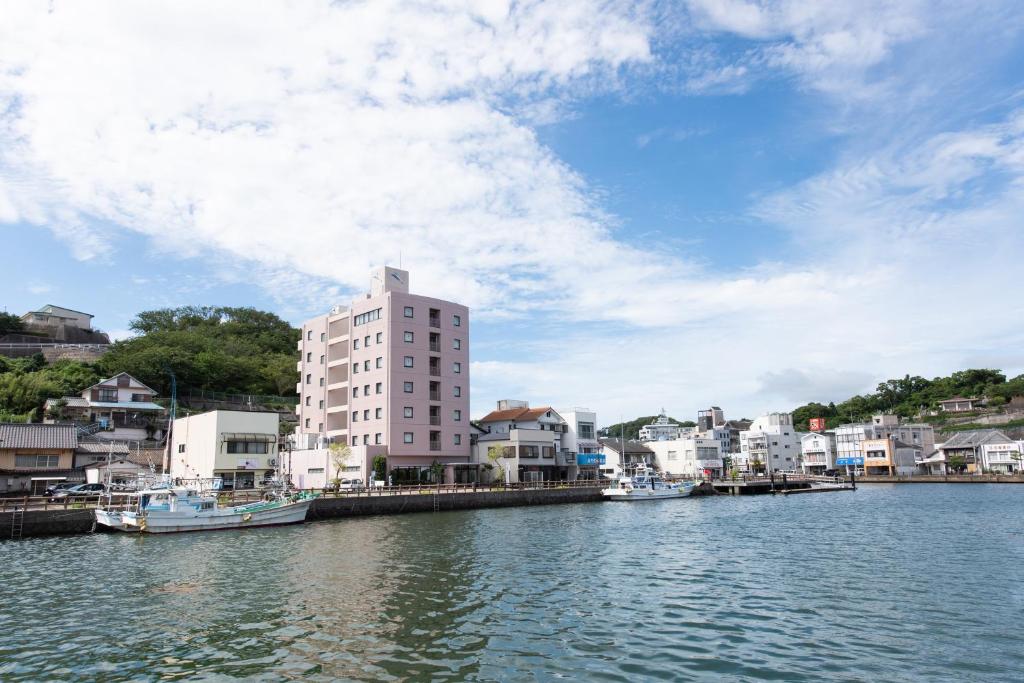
[(38, 436), (516, 414), (958, 398), (102, 447), (72, 402), (974, 438)]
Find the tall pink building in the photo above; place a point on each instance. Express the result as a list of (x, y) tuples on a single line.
[(391, 374)]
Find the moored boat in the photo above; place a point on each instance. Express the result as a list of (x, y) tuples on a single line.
[(646, 484)]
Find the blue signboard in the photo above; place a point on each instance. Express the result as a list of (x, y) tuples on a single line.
[(590, 459), (850, 461)]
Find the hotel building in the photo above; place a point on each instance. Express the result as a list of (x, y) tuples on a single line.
[(388, 375)]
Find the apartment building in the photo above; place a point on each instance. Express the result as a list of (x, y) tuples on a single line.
[(693, 457), (391, 370), (817, 452), (580, 439), (770, 444), (850, 438)]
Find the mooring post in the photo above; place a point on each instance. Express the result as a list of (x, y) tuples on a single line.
[(853, 479)]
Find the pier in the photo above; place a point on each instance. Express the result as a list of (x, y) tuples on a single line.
[(781, 484)]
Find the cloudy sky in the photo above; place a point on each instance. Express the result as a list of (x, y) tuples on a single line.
[(751, 204)]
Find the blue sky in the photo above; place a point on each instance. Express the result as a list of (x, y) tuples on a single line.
[(750, 204)]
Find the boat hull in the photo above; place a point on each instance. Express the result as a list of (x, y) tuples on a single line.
[(644, 494), (243, 517), (113, 520)]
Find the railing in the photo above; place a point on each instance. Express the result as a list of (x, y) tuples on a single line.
[(435, 445), (52, 345), (435, 347), (435, 395), (435, 371), (435, 322), (435, 420)]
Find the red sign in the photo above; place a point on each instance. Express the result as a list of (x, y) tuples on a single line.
[(817, 424)]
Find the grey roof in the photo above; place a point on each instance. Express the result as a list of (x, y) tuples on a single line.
[(38, 436), (902, 444), (631, 446), (102, 447), (72, 402), (103, 383), (975, 437)]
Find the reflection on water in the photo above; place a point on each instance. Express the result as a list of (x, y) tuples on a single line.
[(888, 583)]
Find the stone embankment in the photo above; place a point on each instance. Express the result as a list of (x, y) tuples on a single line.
[(943, 479)]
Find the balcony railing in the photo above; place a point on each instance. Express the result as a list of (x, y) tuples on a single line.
[(435, 371), (435, 321), (435, 420), (435, 347), (435, 395), (435, 445)]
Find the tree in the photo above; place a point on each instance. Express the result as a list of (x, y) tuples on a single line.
[(340, 454), (494, 456), (380, 467), (956, 463), (437, 472), (10, 323), (756, 465)]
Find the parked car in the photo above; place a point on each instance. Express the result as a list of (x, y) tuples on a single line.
[(60, 486), (79, 491), (350, 484)]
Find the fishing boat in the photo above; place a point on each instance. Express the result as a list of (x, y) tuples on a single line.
[(173, 508), (646, 484)]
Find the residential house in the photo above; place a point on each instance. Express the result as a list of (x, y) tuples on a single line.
[(693, 457), (770, 444), (532, 443), (623, 457), (964, 451), (390, 370), (959, 404), (818, 452), (580, 440), (120, 407), (1001, 457), (34, 456)]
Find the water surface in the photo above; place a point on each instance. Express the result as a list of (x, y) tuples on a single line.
[(888, 583)]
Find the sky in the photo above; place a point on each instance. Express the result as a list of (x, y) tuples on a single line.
[(646, 205)]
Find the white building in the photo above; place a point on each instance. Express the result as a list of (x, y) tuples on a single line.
[(771, 444), (622, 457), (850, 438), (238, 447), (694, 457), (662, 429), (581, 440), (532, 443), (818, 452)]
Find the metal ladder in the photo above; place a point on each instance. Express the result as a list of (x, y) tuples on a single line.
[(437, 503), (17, 522)]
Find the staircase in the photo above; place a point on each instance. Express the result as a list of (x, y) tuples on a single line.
[(89, 429)]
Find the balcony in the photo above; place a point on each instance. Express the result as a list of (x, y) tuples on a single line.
[(435, 420), (435, 321), (435, 445), (435, 371), (435, 395)]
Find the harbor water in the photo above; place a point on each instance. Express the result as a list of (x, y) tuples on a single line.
[(886, 583)]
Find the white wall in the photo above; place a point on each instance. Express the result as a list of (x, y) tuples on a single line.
[(205, 452)]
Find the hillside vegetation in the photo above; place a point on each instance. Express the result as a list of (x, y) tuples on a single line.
[(233, 350), (912, 396)]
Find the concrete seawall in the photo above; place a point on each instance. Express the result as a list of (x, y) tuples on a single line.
[(80, 521), (943, 479)]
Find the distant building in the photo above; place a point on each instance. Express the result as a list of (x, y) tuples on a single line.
[(238, 447), (970, 447), (710, 418), (580, 439), (850, 438), (818, 452), (34, 456), (958, 404), (662, 429), (1002, 457), (770, 444), (693, 457), (532, 443), (623, 457), (391, 371), (52, 317), (120, 408), (890, 456)]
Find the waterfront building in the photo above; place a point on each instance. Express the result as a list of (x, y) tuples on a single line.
[(890, 456), (391, 370), (1002, 457), (818, 452), (969, 449), (580, 439), (34, 456), (662, 429), (622, 457), (120, 408), (694, 457), (770, 444), (532, 443), (850, 438), (239, 447)]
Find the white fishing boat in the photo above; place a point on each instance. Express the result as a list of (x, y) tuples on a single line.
[(646, 484), (167, 509)]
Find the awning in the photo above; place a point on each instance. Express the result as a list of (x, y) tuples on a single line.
[(47, 478), (239, 436)]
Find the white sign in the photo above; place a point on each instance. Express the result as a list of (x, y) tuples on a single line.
[(248, 463)]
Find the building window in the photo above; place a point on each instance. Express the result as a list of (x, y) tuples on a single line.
[(457, 391), (367, 317), (355, 369), (309, 335), (407, 362), (457, 320), (408, 314), (355, 392), (355, 343), (366, 439), (309, 356), (407, 437), (380, 337), (457, 415), (320, 427), (321, 381), (321, 404), (458, 439), (457, 368), (355, 440), (250, 447), (309, 379), (309, 400), (366, 365), (378, 413), (407, 387), (409, 336), (322, 359), (323, 336), (456, 344), (376, 438), (407, 411), (380, 387), (355, 416), (366, 390), (366, 341), (366, 414), (307, 423), (181, 448), (37, 461), (380, 362)]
